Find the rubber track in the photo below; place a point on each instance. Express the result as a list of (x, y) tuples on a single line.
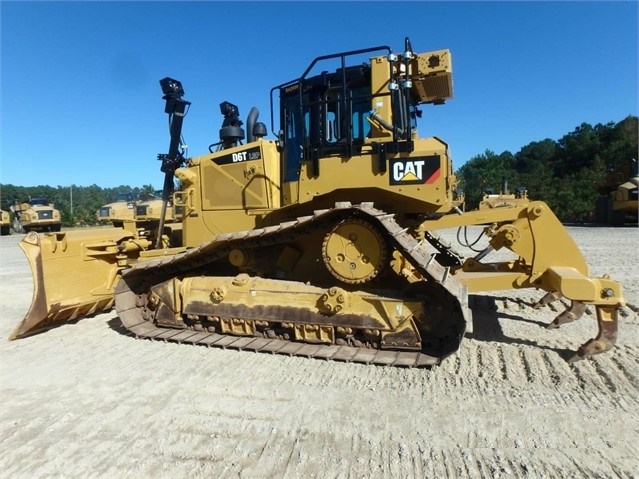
[(129, 309)]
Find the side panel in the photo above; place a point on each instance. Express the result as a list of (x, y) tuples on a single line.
[(412, 183), (234, 179), (244, 178)]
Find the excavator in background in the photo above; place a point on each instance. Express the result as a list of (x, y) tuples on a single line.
[(321, 242), (617, 199)]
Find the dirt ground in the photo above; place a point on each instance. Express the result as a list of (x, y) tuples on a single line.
[(88, 401)]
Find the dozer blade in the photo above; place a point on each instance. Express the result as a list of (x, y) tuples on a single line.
[(74, 274)]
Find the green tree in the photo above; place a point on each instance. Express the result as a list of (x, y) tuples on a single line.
[(566, 173), (487, 171)]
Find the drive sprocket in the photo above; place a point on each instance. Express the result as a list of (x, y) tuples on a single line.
[(354, 251)]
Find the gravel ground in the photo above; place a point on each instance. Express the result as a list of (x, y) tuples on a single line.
[(87, 401)]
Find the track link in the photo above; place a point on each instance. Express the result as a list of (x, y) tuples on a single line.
[(130, 294), (448, 256)]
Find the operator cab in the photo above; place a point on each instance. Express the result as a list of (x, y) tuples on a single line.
[(38, 202), (332, 114), (126, 197), (324, 116)]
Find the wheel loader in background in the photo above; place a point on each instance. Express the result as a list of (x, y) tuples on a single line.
[(321, 242), (35, 214)]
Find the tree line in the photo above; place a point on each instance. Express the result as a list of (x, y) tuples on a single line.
[(565, 173), (77, 204)]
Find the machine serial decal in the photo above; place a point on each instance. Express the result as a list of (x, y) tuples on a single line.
[(414, 171), (241, 156)]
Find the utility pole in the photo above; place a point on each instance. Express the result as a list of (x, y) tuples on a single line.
[(71, 200)]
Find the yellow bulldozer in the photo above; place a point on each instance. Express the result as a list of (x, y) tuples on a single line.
[(321, 242)]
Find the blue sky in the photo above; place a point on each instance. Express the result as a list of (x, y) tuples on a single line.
[(81, 102)]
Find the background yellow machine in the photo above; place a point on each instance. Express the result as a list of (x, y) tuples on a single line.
[(504, 198), (35, 214), (5, 223), (618, 202), (120, 210), (147, 220), (321, 242)]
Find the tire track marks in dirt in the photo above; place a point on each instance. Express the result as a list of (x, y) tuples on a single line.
[(558, 370), (507, 405), (590, 382), (627, 368), (358, 455)]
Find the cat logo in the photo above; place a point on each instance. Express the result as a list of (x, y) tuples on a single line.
[(414, 171)]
